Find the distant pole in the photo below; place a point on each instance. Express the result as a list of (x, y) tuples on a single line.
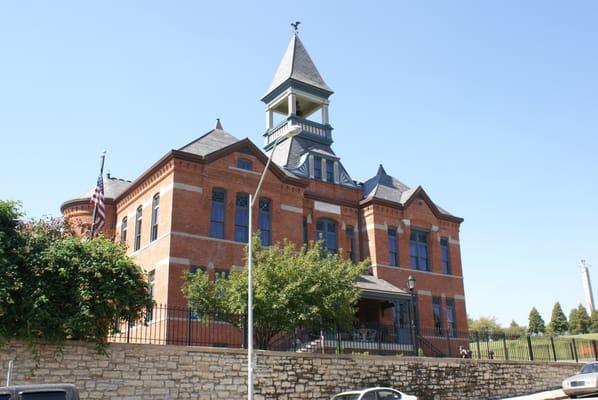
[(587, 286)]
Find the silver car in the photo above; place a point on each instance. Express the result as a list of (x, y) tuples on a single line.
[(376, 393), (586, 382)]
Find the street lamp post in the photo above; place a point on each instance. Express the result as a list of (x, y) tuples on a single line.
[(292, 131), (411, 287)]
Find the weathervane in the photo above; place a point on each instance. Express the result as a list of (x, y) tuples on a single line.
[(296, 26)]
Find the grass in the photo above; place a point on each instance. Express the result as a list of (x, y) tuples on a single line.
[(542, 348)]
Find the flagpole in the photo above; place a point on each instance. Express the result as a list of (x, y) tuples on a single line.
[(95, 207)]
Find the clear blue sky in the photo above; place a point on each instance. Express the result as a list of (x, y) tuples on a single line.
[(491, 106)]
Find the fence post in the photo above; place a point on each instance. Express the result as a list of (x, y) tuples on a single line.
[(477, 336), (129, 329), (504, 345), (189, 326), (574, 349), (553, 348), (529, 348)]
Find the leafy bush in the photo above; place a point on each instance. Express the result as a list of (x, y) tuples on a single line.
[(61, 286)]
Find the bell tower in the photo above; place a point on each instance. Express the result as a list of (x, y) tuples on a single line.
[(297, 93), (298, 96)]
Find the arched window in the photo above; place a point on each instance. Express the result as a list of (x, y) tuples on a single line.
[(123, 230), (138, 220), (418, 249), (242, 218), (350, 234), (218, 213), (244, 163), (326, 231), (155, 208), (264, 221)]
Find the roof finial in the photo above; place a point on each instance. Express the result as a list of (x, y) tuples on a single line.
[(296, 27), (218, 124)]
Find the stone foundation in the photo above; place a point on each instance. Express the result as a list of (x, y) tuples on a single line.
[(135, 372)]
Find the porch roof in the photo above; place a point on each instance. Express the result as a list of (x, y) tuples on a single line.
[(375, 288)]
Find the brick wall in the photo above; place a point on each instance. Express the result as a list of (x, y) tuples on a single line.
[(168, 372)]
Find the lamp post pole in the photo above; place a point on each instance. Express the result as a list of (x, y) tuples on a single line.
[(293, 130), (411, 287)]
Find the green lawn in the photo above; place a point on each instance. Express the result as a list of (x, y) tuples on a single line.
[(588, 336), (542, 349)]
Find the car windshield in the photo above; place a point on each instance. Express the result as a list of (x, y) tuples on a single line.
[(346, 397), (590, 368)]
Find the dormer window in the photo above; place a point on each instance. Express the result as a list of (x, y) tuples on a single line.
[(244, 163), (317, 167), (329, 171)]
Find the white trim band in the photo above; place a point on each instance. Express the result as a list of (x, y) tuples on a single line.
[(287, 207)]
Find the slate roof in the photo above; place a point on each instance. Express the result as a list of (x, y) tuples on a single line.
[(374, 284), (288, 153), (297, 64), (386, 187), (113, 187), (212, 141)]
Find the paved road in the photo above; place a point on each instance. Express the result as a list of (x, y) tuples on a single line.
[(549, 395)]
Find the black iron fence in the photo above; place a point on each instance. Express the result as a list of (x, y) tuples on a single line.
[(172, 325), (500, 346), (179, 325)]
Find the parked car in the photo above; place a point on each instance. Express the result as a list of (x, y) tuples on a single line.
[(586, 382), (375, 393), (40, 392)]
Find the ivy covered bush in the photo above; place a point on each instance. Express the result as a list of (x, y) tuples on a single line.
[(55, 286)]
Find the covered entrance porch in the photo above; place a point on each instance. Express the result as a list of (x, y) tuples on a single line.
[(385, 323)]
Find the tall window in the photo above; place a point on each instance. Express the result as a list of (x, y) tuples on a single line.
[(151, 280), (326, 230), (450, 317), (351, 239), (317, 167), (445, 258), (329, 171), (244, 163), (242, 218), (305, 236), (138, 219), (436, 311), (393, 247), (418, 249), (123, 230), (155, 208), (264, 221), (218, 213)]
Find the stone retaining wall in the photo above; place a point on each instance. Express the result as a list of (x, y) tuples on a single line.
[(168, 372)]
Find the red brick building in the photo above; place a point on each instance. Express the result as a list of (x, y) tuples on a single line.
[(189, 210)]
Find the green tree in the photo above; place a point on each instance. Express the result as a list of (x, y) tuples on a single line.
[(558, 322), (593, 322), (574, 322), (308, 288), (535, 323), (64, 287), (584, 319), (485, 327), (10, 254), (515, 330)]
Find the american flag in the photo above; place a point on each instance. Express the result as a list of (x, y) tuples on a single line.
[(97, 199)]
